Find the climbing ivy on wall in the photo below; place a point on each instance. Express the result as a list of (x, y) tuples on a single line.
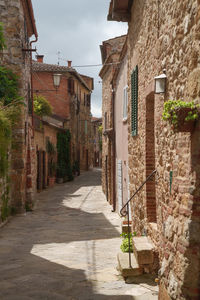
[(2, 40), (64, 169), (10, 103)]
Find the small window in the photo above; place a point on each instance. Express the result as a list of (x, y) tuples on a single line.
[(125, 103)]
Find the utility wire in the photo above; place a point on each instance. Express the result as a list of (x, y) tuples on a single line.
[(97, 65), (84, 66)]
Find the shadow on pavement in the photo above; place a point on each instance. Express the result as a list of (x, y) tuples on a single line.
[(29, 270)]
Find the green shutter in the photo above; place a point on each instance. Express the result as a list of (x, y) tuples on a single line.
[(134, 101)]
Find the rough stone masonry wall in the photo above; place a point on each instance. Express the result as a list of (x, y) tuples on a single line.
[(106, 151), (166, 34), (12, 17)]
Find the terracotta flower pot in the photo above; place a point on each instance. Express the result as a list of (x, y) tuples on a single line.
[(51, 181)]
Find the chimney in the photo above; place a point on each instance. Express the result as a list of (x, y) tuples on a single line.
[(40, 58), (69, 63)]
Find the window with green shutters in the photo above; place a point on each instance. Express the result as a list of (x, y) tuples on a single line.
[(134, 101)]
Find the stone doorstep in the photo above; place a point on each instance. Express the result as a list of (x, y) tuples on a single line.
[(123, 265), (143, 250), (124, 226)]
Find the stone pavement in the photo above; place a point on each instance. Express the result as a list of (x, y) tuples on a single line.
[(66, 248)]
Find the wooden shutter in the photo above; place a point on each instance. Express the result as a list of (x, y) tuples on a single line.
[(134, 101)]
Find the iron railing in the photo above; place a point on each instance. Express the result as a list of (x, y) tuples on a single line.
[(124, 213)]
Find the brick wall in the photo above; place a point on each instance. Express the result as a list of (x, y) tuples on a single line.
[(60, 99)]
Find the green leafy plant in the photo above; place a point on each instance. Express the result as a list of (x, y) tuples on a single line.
[(64, 169), (41, 106), (51, 149), (173, 107), (10, 110), (9, 87), (125, 242), (10, 107), (76, 167), (2, 39)]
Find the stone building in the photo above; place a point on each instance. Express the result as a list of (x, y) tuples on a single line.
[(110, 53), (120, 114), (164, 36), (70, 101), (96, 136), (19, 26)]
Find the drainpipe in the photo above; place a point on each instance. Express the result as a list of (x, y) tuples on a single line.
[(113, 149), (31, 69)]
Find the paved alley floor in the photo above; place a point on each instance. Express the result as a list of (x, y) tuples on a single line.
[(66, 248)]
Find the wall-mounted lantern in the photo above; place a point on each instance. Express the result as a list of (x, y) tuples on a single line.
[(160, 83), (56, 80)]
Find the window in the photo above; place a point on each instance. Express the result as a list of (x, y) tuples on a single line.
[(134, 101), (125, 103)]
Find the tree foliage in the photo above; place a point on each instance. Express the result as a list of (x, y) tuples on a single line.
[(41, 106)]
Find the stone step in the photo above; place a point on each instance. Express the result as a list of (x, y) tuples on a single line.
[(143, 250), (124, 226), (123, 265)]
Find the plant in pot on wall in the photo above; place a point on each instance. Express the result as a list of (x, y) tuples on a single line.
[(181, 115)]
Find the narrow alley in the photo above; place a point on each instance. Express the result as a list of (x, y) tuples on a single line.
[(66, 248)]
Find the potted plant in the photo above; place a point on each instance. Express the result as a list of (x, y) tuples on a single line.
[(181, 115), (60, 173), (76, 168)]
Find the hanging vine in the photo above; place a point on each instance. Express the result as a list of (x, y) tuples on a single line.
[(10, 103)]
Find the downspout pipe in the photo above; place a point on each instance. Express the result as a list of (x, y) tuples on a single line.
[(114, 148), (31, 70)]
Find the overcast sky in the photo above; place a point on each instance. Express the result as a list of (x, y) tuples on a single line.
[(75, 28)]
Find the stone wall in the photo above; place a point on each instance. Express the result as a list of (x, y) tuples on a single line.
[(48, 132), (106, 154), (110, 52), (12, 16), (166, 35)]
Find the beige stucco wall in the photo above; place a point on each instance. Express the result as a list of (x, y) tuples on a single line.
[(121, 134)]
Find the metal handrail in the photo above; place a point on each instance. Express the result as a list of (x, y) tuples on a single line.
[(123, 214), (126, 213)]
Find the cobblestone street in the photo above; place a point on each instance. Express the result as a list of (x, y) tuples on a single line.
[(66, 248)]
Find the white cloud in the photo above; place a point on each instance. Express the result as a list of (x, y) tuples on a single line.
[(76, 29)]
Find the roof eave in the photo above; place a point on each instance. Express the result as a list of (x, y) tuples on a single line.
[(120, 13)]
